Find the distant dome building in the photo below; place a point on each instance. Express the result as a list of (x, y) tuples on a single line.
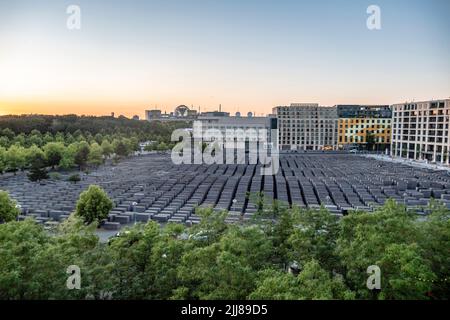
[(181, 111)]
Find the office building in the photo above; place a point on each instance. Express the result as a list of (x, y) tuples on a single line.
[(222, 122), (306, 126), (363, 111), (364, 127), (420, 131)]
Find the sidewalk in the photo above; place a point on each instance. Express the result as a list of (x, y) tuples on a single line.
[(408, 162)]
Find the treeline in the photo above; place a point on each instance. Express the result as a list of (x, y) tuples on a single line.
[(62, 151), (155, 130), (327, 258), (37, 141)]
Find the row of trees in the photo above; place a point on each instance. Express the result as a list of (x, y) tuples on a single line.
[(36, 138), (103, 125), (57, 154), (34, 142), (162, 146), (214, 260), (16, 129)]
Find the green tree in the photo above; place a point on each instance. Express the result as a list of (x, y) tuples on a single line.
[(165, 258), (366, 239), (313, 283), (280, 232), (314, 238), (15, 158), (435, 243), (68, 157), (272, 284), (34, 139), (212, 225), (82, 154), (4, 142), (133, 273), (2, 160), (107, 148), (95, 155), (120, 148), (224, 266), (370, 140), (69, 138), (72, 243), (37, 174), (74, 178), (33, 264), (59, 137), (405, 274), (8, 133), (149, 147), (98, 138), (31, 154), (8, 209), (38, 164), (93, 205), (54, 152), (162, 146), (47, 138), (211, 273), (134, 144), (20, 140), (78, 135), (20, 242)]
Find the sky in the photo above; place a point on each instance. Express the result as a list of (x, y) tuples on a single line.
[(247, 55)]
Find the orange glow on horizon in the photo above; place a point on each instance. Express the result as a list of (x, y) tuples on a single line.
[(101, 106), (105, 108)]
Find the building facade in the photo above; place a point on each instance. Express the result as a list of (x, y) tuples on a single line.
[(363, 111), (306, 126), (223, 122), (181, 113), (367, 127), (420, 131), (151, 115)]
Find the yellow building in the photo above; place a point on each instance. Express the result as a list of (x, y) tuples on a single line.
[(357, 130)]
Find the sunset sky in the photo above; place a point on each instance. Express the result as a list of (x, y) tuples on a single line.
[(248, 55)]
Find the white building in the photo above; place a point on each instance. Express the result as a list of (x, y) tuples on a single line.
[(252, 126), (307, 126), (420, 131)]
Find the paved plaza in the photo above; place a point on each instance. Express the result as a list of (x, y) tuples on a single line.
[(151, 187)]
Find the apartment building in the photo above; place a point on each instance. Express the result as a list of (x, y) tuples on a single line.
[(364, 126), (306, 126), (420, 131)]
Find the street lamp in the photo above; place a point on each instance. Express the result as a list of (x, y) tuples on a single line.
[(134, 213)]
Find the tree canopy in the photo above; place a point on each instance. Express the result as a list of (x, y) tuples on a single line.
[(216, 260), (93, 205), (8, 208)]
